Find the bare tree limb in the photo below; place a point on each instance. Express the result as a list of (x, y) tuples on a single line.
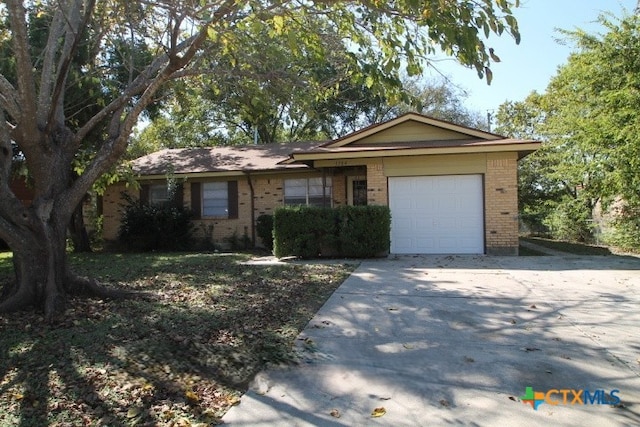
[(73, 33), (48, 76), (9, 98), (24, 69)]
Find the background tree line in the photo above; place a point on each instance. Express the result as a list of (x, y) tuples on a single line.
[(584, 184)]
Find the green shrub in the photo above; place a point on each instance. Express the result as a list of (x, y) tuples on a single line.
[(364, 231), (348, 231), (571, 220), (238, 243), (146, 227), (304, 231), (264, 229), (625, 230)]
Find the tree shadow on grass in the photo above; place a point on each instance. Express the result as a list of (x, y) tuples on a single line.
[(154, 362)]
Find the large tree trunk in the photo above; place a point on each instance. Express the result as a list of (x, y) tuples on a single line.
[(43, 278), (40, 265), (37, 237)]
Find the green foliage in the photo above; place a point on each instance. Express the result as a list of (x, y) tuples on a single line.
[(148, 227), (347, 231), (587, 120), (304, 231), (264, 230), (625, 233), (570, 219), (288, 74), (364, 231), (237, 242)]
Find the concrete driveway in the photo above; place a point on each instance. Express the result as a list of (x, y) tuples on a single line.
[(443, 340)]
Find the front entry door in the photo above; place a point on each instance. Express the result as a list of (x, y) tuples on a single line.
[(357, 191)]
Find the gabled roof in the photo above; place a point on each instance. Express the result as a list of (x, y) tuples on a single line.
[(453, 131), (234, 158), (407, 135)]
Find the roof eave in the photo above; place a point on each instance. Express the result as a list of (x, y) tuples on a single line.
[(301, 157)]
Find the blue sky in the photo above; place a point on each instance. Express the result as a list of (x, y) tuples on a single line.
[(531, 64)]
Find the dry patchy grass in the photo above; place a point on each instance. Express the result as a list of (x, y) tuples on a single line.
[(180, 358)]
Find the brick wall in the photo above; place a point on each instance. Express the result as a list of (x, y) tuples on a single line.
[(339, 188), (111, 209), (501, 204), (377, 187), (500, 186), (268, 195)]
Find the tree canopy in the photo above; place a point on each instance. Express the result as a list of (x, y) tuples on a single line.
[(194, 116), (588, 119)]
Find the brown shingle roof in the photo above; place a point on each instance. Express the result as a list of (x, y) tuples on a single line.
[(220, 159)]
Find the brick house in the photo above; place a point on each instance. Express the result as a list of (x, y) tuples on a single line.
[(450, 188)]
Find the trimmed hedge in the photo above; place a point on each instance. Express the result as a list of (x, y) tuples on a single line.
[(364, 231), (304, 231), (346, 231)]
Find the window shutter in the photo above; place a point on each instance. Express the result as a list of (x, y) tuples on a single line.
[(144, 194), (232, 188), (196, 200), (178, 196)]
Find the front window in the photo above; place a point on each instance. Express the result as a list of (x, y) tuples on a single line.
[(215, 199), (308, 191), (158, 194)]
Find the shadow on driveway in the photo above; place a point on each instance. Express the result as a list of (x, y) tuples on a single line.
[(440, 340)]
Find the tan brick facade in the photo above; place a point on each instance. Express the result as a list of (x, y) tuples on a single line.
[(501, 204), (268, 191), (112, 202), (500, 194), (377, 185)]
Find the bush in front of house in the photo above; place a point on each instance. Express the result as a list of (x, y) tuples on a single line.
[(264, 229), (347, 231), (148, 227), (304, 231), (364, 231)]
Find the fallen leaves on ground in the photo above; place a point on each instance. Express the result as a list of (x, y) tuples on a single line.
[(182, 357), (378, 412)]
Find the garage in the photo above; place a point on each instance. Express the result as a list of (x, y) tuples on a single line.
[(437, 214)]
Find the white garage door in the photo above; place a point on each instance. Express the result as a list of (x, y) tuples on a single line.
[(437, 214)]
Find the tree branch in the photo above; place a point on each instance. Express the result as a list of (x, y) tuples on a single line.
[(56, 31), (75, 27), (161, 70), (9, 98), (24, 67)]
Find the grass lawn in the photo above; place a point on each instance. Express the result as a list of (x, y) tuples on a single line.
[(181, 358), (569, 247), (524, 251)]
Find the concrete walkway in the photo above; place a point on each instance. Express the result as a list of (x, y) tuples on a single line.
[(456, 341)]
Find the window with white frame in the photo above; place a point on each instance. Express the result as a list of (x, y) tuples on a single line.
[(215, 199), (308, 191), (158, 194)]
